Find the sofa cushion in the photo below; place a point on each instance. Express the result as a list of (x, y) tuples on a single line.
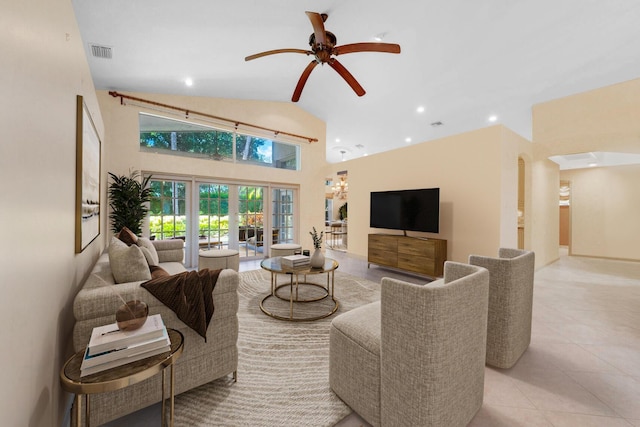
[(127, 236), (148, 250), (128, 263)]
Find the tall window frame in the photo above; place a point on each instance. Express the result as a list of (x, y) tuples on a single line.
[(282, 213), (168, 209), (213, 215)]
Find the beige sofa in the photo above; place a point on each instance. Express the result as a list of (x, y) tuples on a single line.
[(200, 363), (416, 357)]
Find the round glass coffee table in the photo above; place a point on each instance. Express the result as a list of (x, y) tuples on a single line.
[(302, 293)]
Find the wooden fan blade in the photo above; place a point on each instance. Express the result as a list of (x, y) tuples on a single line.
[(273, 52), (367, 47), (303, 79), (346, 75), (318, 27)]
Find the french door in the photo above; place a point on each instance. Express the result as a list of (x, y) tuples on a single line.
[(252, 232), (217, 215), (282, 212), (213, 215)]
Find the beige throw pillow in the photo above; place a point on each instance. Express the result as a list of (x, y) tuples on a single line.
[(128, 263), (148, 250)]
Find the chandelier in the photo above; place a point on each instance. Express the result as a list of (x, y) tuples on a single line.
[(340, 188)]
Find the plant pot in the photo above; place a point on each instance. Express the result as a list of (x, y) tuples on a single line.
[(317, 259), (132, 315)]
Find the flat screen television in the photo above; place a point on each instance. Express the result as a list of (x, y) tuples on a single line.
[(408, 210)]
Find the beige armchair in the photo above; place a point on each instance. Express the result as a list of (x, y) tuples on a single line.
[(510, 304), (416, 357)]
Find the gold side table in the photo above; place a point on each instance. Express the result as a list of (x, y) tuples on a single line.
[(121, 377)]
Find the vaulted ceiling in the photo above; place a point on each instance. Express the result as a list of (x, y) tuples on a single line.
[(462, 61)]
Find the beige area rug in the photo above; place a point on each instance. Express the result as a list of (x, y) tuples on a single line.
[(283, 367)]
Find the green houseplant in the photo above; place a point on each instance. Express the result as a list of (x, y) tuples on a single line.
[(127, 199), (343, 212), (317, 239)]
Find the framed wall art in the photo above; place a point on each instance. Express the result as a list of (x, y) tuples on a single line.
[(88, 149)]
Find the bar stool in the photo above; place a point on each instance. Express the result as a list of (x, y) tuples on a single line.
[(336, 230)]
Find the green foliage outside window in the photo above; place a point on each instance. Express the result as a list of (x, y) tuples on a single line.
[(213, 143), (176, 226)]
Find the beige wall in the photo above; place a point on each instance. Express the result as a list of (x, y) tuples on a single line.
[(513, 146), (544, 208), (604, 119), (606, 208), (43, 68), (466, 167), (123, 149), (605, 203)]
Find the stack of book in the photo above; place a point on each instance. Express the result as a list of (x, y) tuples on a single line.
[(109, 347), (295, 261)]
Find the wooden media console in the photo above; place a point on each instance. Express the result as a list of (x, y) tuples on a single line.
[(414, 254)]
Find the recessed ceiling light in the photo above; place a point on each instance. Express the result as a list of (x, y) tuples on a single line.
[(593, 165), (365, 154), (379, 37), (420, 109), (407, 140), (337, 139), (493, 118), (188, 81)]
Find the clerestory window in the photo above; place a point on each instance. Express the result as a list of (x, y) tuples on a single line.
[(176, 137)]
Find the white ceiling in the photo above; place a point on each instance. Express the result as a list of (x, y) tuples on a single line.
[(462, 60), (595, 159)]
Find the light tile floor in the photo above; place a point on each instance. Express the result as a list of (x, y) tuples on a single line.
[(583, 365)]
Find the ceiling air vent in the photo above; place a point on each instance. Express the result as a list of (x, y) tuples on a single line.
[(100, 51), (436, 124)]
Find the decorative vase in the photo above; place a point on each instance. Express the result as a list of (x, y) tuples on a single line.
[(132, 315), (317, 259)]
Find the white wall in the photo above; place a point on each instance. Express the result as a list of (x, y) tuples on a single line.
[(43, 68)]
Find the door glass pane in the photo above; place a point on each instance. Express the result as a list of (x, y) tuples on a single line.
[(282, 214), (167, 213), (213, 217), (251, 221)]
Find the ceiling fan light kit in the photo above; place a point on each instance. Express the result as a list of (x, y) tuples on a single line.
[(324, 49)]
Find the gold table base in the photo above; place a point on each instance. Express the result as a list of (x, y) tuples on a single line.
[(294, 285)]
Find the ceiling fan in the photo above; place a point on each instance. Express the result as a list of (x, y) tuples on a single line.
[(324, 50)]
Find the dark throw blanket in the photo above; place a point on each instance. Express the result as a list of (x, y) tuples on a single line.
[(189, 295)]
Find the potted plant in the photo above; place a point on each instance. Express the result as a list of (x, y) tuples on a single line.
[(343, 212), (317, 259), (127, 199)]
